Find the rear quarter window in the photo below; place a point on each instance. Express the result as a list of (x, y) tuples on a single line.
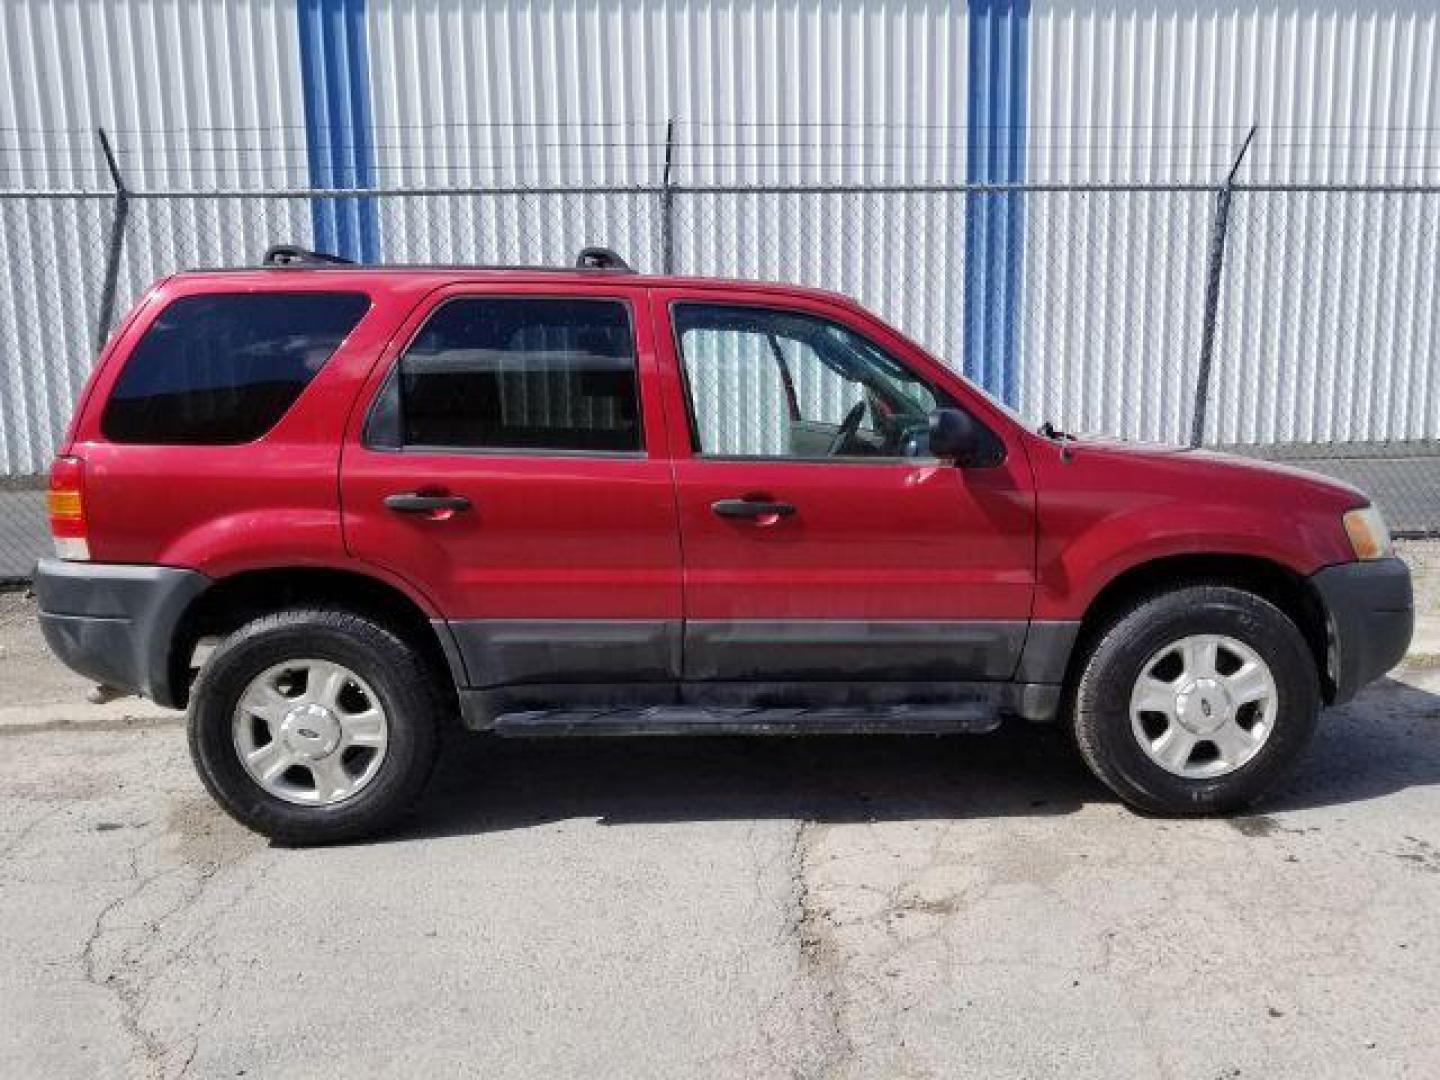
[(223, 368)]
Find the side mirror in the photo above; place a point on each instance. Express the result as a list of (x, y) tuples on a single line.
[(956, 436)]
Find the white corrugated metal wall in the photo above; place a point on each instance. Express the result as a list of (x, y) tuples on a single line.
[(1089, 304)]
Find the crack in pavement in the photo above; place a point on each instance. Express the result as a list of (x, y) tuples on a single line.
[(137, 967), (127, 996), (819, 954)]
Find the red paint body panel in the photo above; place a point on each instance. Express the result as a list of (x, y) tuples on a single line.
[(1105, 508), (866, 542), (546, 538), (601, 537)]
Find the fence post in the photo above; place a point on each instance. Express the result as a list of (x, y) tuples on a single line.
[(1219, 227), (667, 204), (116, 245)]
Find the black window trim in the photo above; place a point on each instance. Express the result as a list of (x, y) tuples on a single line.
[(367, 438), (696, 454), (209, 293)]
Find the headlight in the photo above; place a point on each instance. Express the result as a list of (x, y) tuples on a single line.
[(1368, 533)]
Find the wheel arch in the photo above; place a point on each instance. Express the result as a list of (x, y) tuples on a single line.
[(1289, 591), (231, 601)]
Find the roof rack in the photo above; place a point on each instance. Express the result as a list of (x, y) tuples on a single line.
[(291, 255)]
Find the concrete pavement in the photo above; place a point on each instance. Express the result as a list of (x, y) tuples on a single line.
[(717, 908)]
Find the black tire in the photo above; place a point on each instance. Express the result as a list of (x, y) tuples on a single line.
[(393, 668), (1102, 725)]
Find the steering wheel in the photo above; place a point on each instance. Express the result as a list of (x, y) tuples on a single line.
[(848, 427)]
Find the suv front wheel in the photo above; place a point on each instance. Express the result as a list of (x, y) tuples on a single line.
[(314, 725), (1196, 701)]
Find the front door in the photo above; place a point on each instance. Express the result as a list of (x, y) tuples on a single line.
[(821, 541), (511, 468)]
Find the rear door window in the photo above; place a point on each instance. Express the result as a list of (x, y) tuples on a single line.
[(547, 375), (223, 368)]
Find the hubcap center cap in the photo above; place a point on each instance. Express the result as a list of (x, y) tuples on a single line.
[(310, 732), (1204, 706)]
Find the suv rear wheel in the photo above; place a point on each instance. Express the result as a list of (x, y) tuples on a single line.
[(1196, 701), (315, 725)]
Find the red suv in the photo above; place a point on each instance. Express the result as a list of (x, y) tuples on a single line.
[(589, 501)]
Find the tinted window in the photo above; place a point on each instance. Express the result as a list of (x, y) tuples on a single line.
[(223, 368), (782, 384), (517, 374)]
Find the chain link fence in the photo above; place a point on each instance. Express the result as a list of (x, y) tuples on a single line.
[(1295, 323)]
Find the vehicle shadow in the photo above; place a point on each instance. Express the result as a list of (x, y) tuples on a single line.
[(1386, 741), (489, 784)]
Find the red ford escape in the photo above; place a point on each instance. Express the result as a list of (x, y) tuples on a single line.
[(594, 502)]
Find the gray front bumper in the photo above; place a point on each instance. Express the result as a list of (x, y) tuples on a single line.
[(1371, 612), (115, 623)]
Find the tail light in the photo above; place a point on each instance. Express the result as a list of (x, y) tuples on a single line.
[(66, 503)]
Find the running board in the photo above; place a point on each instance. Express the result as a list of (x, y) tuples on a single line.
[(960, 718)]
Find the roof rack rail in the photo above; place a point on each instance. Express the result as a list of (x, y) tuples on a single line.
[(588, 258), (291, 255), (601, 258)]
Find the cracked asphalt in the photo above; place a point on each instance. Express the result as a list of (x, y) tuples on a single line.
[(882, 907)]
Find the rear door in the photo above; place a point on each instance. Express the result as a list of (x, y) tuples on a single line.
[(510, 466), (821, 541)]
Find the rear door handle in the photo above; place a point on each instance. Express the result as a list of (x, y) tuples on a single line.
[(751, 508), (415, 502)]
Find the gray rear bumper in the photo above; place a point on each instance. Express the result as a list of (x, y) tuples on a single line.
[(116, 623), (1371, 613)]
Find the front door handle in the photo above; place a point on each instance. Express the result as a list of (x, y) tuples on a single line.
[(752, 508), (416, 502)]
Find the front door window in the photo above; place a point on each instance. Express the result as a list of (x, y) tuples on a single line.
[(765, 383)]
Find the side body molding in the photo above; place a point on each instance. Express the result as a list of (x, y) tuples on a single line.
[(505, 652)]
